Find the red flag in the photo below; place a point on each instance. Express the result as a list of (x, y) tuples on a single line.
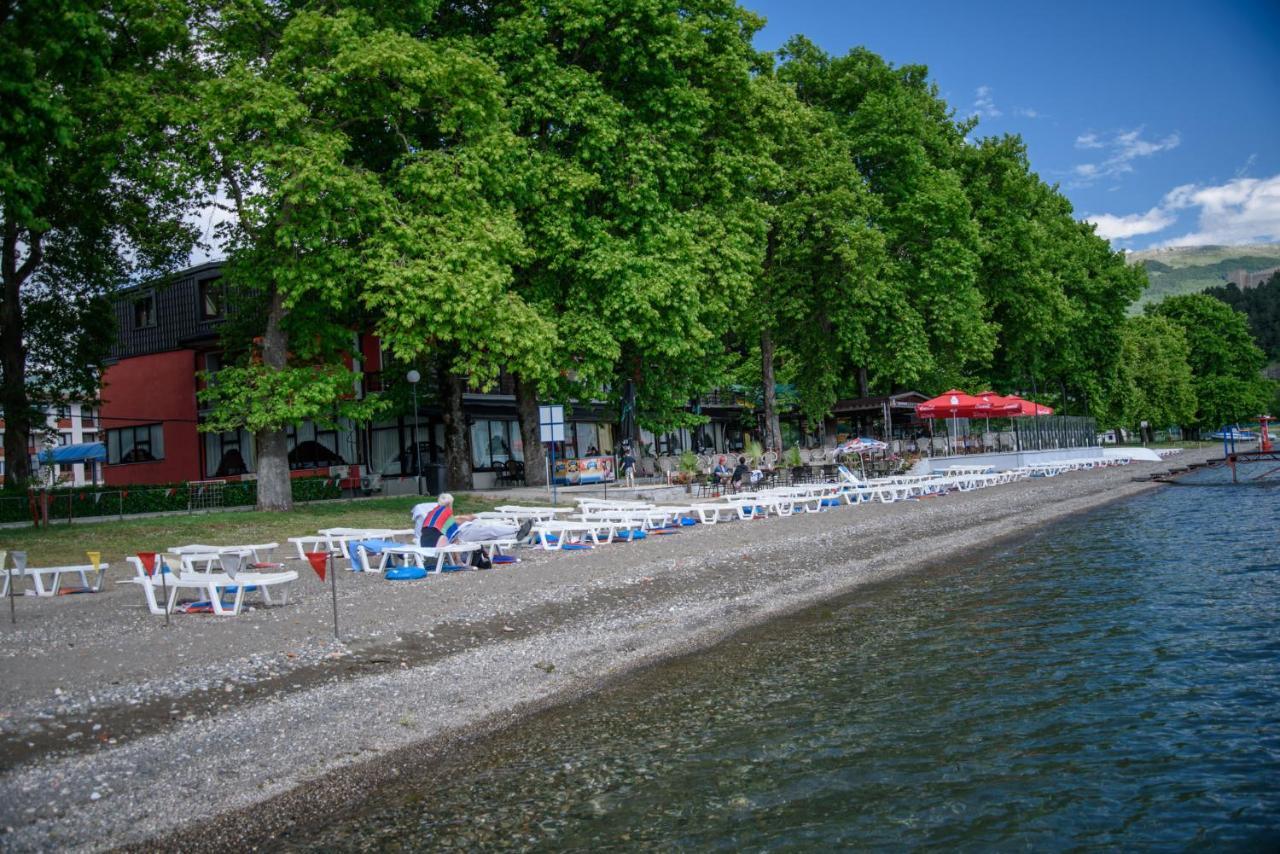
[(318, 560), (148, 562)]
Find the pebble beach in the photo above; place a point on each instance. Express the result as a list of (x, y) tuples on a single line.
[(213, 732)]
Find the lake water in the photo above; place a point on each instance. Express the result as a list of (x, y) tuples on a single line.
[(1113, 680)]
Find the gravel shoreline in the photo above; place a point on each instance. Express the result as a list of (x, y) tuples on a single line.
[(118, 732)]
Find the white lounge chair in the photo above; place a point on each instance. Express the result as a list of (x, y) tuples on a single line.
[(38, 574), (212, 585)]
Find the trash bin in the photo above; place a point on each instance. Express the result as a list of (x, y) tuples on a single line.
[(432, 478)]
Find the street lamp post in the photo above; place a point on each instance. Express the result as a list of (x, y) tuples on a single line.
[(414, 377)]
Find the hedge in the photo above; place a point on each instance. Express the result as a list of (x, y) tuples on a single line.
[(152, 498)]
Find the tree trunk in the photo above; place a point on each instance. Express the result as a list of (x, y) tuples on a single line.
[(13, 359), (275, 492), (535, 469), (863, 385), (457, 461), (772, 427)]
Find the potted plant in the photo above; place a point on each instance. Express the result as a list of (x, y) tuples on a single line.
[(688, 469)]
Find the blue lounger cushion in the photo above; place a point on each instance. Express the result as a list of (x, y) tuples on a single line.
[(405, 573), (373, 547), (688, 521)]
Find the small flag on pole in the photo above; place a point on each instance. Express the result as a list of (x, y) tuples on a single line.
[(318, 560), (148, 562)]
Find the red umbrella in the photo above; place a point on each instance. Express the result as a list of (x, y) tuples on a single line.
[(1018, 406), (950, 404)]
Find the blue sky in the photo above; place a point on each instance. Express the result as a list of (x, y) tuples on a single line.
[(1160, 120)]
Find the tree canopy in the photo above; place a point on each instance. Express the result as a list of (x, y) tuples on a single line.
[(1225, 362), (93, 190), (618, 201)]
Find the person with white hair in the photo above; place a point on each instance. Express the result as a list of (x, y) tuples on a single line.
[(434, 524)]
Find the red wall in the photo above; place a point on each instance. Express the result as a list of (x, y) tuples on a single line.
[(147, 390)]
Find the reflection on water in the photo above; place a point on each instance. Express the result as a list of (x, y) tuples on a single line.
[(1112, 681)]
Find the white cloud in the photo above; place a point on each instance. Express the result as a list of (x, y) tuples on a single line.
[(984, 105), (1028, 113), (1122, 148), (1123, 227), (1243, 210)]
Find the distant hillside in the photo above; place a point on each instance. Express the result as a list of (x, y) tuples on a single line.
[(1191, 269)]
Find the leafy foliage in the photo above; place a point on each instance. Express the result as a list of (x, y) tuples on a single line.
[(1153, 380), (1262, 306), (1224, 360), (92, 190)]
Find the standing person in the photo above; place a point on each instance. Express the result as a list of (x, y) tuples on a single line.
[(629, 468)]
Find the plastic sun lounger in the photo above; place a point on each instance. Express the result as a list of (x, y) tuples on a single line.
[(55, 573), (211, 585), (563, 532), (537, 514), (710, 514), (419, 555)]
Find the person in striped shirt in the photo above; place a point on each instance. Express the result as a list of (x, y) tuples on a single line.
[(434, 524)]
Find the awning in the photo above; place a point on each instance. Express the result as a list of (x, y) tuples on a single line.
[(86, 452)]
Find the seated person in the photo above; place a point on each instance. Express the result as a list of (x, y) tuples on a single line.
[(435, 525), (740, 473), (721, 471)]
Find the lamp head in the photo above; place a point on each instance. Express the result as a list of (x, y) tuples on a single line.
[(413, 377)]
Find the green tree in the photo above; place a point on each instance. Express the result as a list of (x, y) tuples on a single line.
[(641, 237), (92, 190), (1262, 306), (1225, 362), (821, 296), (1153, 380), (362, 159), (907, 147)]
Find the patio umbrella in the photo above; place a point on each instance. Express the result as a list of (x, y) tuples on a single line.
[(861, 445), (1019, 407), (954, 403)]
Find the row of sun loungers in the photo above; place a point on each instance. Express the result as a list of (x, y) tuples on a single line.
[(224, 575)]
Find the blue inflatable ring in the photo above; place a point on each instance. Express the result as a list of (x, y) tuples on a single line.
[(405, 573)]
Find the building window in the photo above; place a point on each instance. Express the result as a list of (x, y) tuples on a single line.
[(144, 311), (135, 444), (213, 299), (228, 454), (87, 418), (494, 442), (311, 447)]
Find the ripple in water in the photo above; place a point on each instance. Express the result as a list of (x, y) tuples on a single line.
[(1113, 680)]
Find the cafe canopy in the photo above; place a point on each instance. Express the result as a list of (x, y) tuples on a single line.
[(958, 404)]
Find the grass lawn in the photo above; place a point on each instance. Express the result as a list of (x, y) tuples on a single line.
[(62, 545)]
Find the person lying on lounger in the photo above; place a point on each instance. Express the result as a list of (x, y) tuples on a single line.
[(435, 525)]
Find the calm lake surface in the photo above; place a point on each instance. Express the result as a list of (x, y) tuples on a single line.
[(1113, 681)]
